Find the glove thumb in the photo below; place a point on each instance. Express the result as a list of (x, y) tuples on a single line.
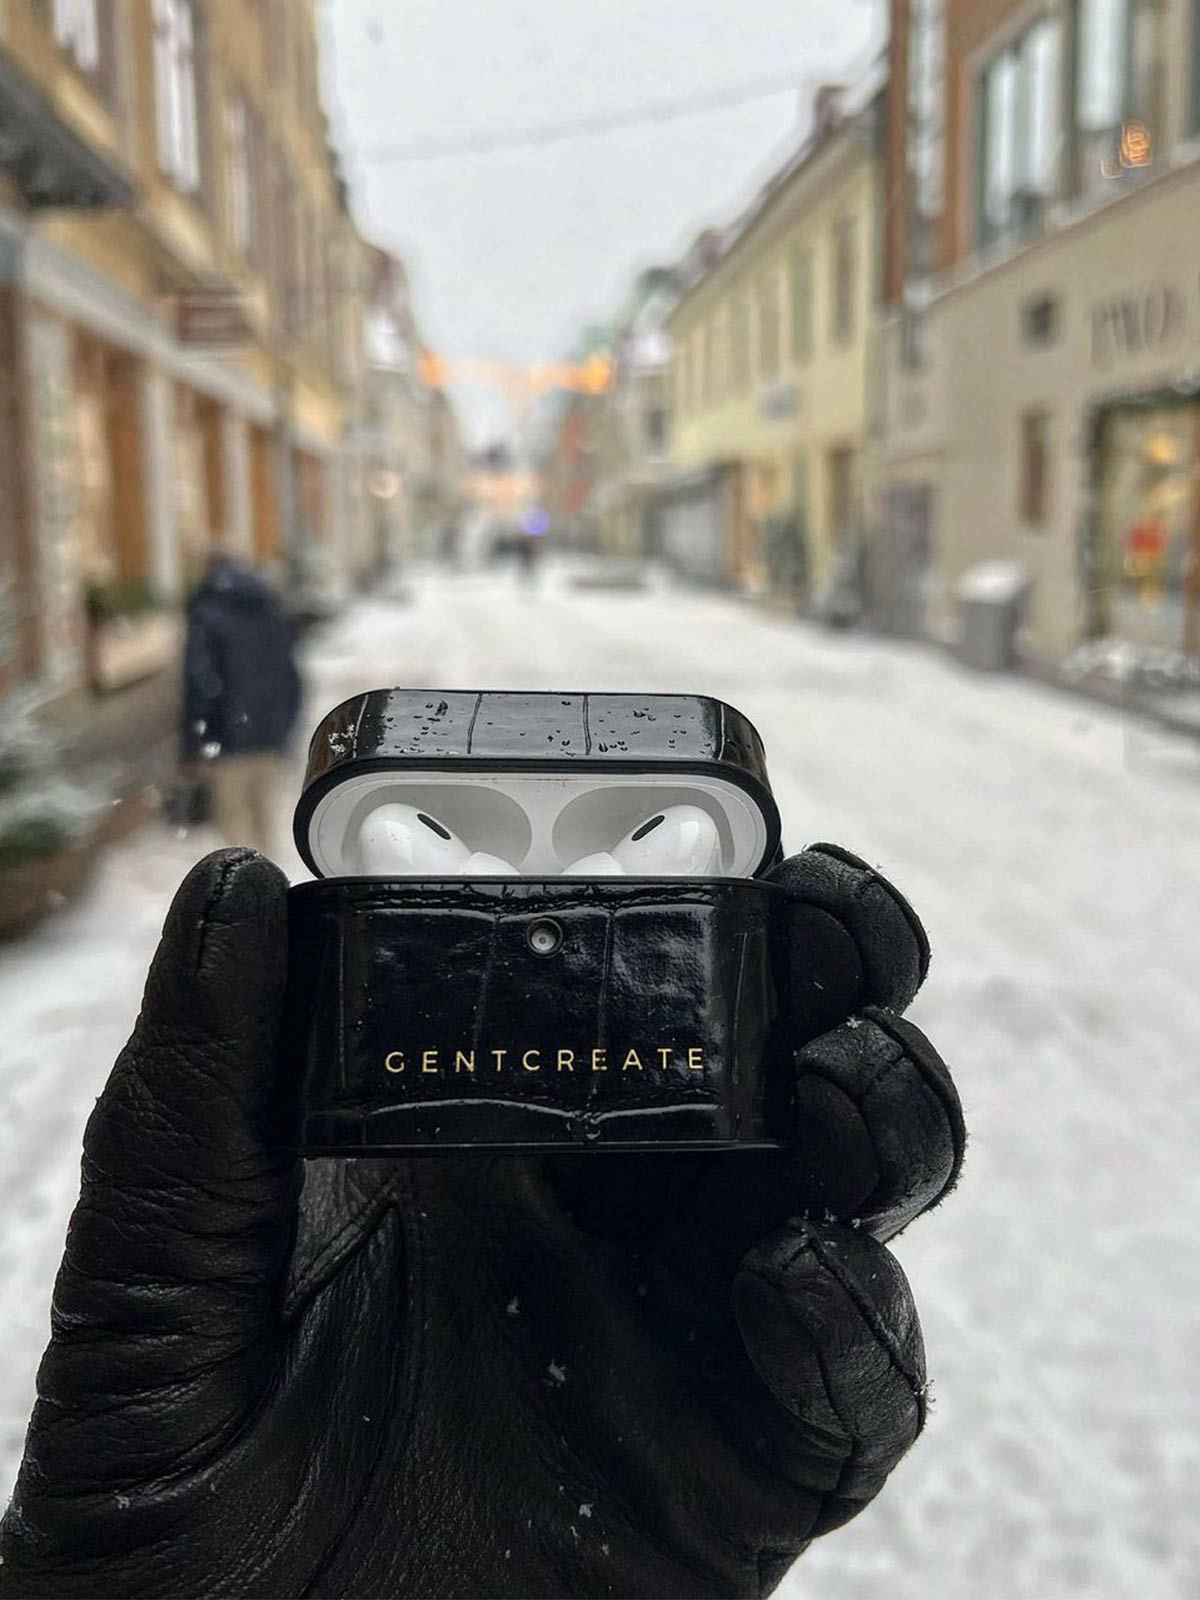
[(168, 1291)]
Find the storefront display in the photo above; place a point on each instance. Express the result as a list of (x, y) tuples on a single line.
[(1149, 522)]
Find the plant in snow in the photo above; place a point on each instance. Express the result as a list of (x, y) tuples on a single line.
[(42, 810)]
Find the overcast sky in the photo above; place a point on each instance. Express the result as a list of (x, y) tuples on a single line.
[(514, 252)]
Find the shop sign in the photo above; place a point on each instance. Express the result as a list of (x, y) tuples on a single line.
[(211, 319), (1128, 325)]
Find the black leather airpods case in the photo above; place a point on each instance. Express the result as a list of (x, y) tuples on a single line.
[(537, 1011)]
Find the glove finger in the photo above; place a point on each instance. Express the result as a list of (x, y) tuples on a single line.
[(189, 1189), (879, 1125), (849, 940), (846, 939), (879, 1139), (829, 1325)]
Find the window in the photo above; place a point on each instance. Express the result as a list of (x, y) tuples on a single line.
[(708, 364), (297, 282), (1039, 321), (739, 343), (654, 432), (76, 25), (85, 31), (768, 326), (926, 160), (800, 490), (843, 493), (1120, 86), (721, 366), (1020, 134), (239, 180), (802, 304), (913, 338), (681, 380), (699, 380), (845, 279), (175, 89), (1035, 468)]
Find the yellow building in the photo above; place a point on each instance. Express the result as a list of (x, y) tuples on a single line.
[(180, 320), (769, 368)]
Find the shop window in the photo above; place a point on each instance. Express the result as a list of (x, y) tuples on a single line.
[(1035, 468), (845, 279), (177, 98), (1120, 48), (802, 303), (1019, 134), (768, 326), (109, 480), (1149, 524)]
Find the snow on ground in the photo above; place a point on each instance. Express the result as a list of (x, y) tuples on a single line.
[(1053, 850)]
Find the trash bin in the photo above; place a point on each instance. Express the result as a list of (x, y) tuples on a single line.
[(991, 599)]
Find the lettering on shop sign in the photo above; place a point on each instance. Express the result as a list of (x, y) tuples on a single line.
[(1144, 320), (211, 319), (653, 1058)]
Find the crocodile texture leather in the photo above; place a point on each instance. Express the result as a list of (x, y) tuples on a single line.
[(513, 1014)]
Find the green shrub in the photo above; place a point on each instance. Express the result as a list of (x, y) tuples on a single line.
[(123, 597), (32, 839)]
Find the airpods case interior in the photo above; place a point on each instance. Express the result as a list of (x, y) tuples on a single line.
[(546, 1009)]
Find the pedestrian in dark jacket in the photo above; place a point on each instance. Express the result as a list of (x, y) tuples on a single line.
[(241, 697)]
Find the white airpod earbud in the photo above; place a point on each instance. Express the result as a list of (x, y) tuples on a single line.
[(402, 841), (676, 842)]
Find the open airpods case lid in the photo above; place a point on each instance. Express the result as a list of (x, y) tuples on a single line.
[(539, 779)]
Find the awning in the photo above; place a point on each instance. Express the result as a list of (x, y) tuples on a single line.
[(49, 163)]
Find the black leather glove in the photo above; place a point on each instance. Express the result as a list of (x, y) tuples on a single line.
[(584, 1375)]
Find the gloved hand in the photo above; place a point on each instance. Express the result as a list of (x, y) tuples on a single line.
[(584, 1375)]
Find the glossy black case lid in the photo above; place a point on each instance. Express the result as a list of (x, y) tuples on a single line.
[(501, 731)]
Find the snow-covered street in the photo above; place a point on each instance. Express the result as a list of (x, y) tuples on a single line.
[(1052, 849)]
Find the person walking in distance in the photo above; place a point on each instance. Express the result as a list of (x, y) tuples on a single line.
[(241, 697)]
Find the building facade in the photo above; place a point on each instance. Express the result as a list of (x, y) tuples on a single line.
[(769, 369), (408, 455), (569, 465), (180, 328), (634, 434), (1040, 353)]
